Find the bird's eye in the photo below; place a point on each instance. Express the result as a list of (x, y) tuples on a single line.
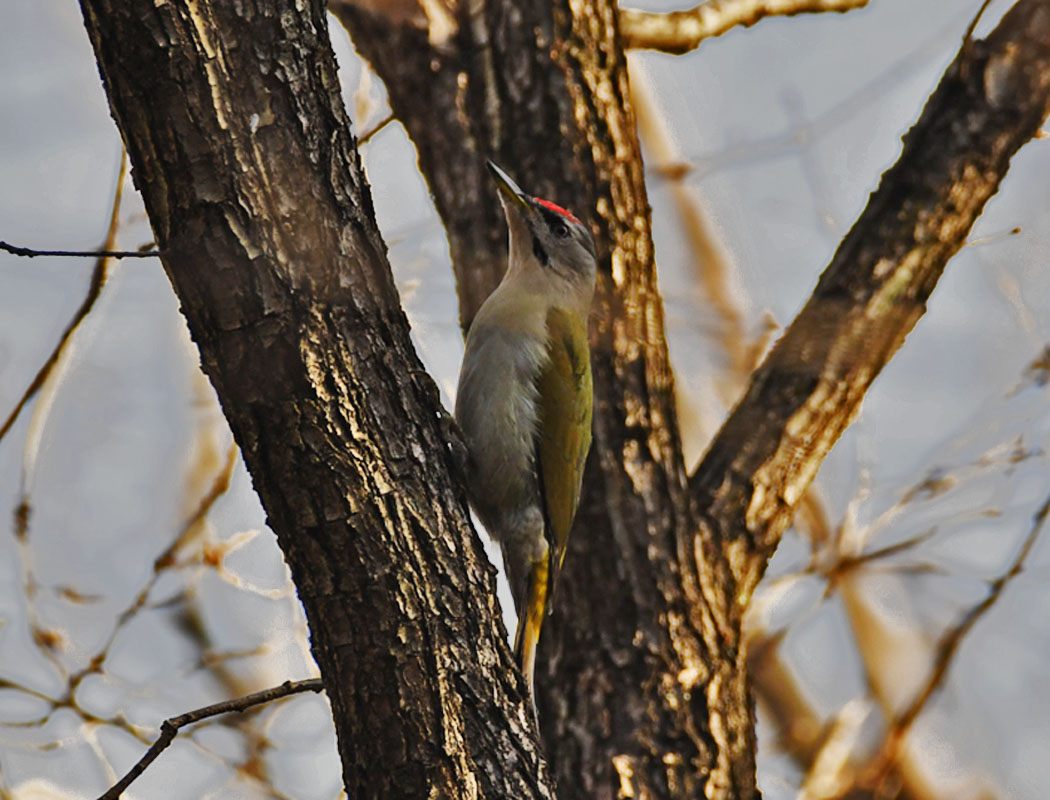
[(559, 229)]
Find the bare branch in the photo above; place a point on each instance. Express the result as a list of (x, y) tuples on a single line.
[(946, 649), (170, 727), (375, 129), (26, 252), (991, 101), (681, 31), (98, 279)]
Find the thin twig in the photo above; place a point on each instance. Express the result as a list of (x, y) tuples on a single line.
[(191, 528), (948, 647), (170, 727), (681, 31), (98, 279), (27, 252), (968, 36), (375, 128)]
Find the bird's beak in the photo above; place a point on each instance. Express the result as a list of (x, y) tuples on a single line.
[(512, 195)]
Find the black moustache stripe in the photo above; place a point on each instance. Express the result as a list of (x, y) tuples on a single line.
[(539, 252)]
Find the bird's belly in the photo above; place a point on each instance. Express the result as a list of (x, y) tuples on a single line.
[(497, 410), (502, 482)]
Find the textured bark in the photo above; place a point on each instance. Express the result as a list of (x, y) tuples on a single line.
[(542, 89), (241, 148), (643, 687)]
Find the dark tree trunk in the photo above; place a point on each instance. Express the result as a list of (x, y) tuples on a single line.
[(622, 682), (232, 116), (643, 688)]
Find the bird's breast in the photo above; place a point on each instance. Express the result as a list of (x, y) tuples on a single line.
[(497, 410)]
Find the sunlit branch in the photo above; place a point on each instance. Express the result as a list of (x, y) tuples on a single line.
[(830, 770), (682, 31), (809, 388), (170, 727)]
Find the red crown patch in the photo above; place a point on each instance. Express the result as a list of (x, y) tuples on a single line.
[(557, 209)]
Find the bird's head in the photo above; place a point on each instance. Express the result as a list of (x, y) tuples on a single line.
[(544, 237)]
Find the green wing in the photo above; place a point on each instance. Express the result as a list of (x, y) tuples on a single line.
[(566, 397)]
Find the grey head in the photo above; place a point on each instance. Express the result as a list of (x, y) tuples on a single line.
[(544, 235)]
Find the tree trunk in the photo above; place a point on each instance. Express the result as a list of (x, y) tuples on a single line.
[(642, 682), (233, 120), (543, 90)]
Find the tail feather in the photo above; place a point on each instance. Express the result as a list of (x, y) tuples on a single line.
[(530, 623)]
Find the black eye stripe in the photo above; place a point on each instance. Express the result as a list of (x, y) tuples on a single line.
[(549, 216), (554, 221)]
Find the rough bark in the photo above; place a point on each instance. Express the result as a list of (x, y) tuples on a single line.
[(542, 89), (643, 688), (233, 120)]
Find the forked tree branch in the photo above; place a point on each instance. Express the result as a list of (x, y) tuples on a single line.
[(170, 727), (992, 99), (654, 683), (542, 88), (681, 31)]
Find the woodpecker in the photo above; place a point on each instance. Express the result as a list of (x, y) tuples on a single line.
[(525, 399)]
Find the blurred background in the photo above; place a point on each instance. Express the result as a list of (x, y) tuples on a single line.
[(904, 618)]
